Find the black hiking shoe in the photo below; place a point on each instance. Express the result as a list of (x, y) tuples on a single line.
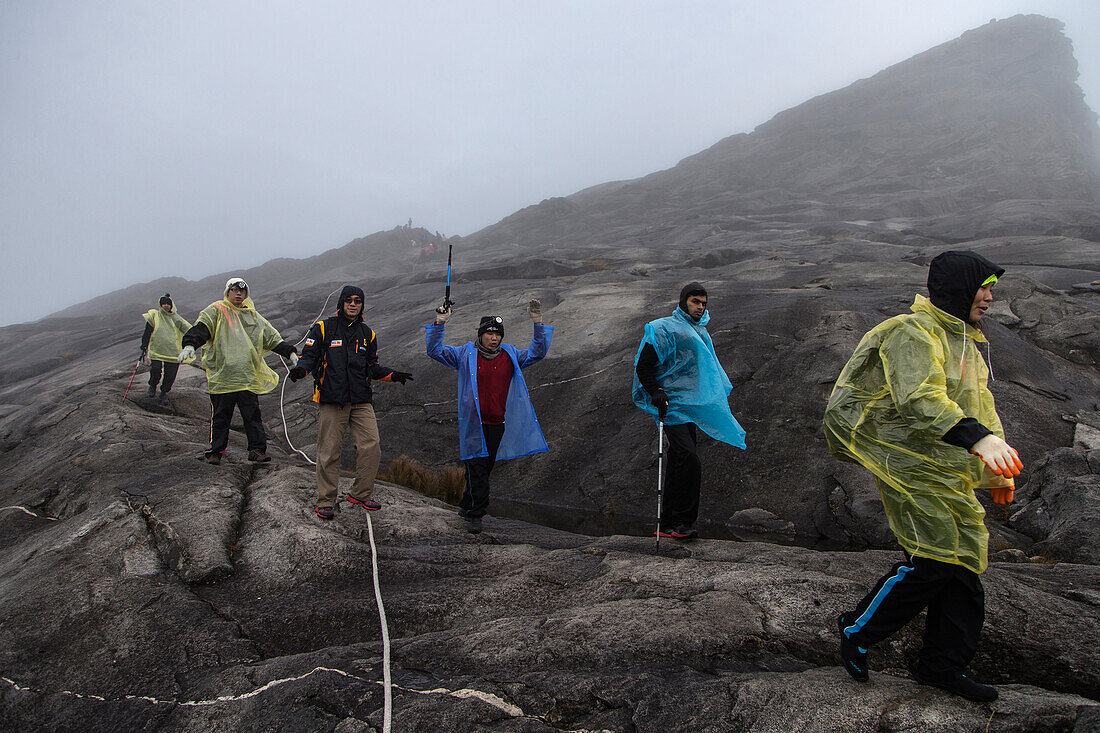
[(213, 458), (852, 655), (473, 525), (163, 398), (325, 512), (366, 504), (152, 391), (258, 456), (684, 532), (961, 685)]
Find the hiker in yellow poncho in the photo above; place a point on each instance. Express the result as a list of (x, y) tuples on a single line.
[(160, 343), (237, 338), (913, 406)]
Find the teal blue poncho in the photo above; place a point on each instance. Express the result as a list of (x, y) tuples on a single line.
[(689, 373)]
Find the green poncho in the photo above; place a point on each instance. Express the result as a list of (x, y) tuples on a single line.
[(911, 379), (168, 329), (239, 340)]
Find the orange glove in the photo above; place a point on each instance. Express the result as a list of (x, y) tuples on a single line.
[(1001, 458), (1003, 494)]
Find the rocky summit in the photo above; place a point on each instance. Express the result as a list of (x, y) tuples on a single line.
[(143, 589)]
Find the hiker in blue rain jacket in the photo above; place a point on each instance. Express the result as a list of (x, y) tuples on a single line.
[(678, 380), (495, 417)]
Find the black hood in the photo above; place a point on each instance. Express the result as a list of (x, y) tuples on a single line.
[(689, 290), (347, 292), (954, 279)]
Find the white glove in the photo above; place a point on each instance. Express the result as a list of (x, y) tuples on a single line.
[(187, 353), (442, 313), (1001, 458), (534, 309), (293, 360)]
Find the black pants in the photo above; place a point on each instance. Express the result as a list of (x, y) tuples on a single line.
[(221, 412), (683, 474), (475, 499), (956, 610), (170, 368)]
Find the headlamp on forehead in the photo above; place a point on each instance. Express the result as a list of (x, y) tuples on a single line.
[(238, 284), (491, 324)]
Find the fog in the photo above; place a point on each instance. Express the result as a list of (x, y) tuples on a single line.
[(140, 140)]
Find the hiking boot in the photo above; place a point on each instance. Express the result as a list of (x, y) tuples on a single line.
[(213, 458), (325, 512), (152, 391), (662, 532), (258, 456), (684, 532), (473, 525), (365, 503), (962, 686), (852, 655), (163, 399)]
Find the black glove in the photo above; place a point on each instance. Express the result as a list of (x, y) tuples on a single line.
[(660, 401), (144, 354), (297, 373), (401, 377)]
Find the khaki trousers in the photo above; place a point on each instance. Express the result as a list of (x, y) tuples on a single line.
[(333, 421)]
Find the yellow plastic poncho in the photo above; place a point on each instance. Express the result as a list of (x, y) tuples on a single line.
[(911, 379), (168, 329), (239, 340)]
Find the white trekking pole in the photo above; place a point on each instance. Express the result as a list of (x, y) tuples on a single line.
[(660, 476)]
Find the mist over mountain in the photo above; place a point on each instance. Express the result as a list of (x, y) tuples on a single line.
[(165, 577)]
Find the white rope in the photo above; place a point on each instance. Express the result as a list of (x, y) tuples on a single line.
[(387, 713), (282, 390), (387, 697)]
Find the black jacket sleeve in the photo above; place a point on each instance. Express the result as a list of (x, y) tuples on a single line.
[(647, 369), (196, 336), (966, 433), (374, 369), (285, 349), (146, 336), (311, 352)]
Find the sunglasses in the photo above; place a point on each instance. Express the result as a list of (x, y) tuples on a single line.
[(354, 300)]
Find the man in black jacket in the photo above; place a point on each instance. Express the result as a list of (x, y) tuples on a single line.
[(342, 354)]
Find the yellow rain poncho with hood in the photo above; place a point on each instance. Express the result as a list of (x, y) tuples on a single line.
[(239, 340), (911, 380), (168, 330)]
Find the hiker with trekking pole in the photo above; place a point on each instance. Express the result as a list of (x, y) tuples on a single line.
[(342, 354), (679, 380), (161, 344), (496, 420), (913, 406)]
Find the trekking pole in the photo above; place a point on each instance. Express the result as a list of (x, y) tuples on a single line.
[(660, 477), (131, 380), (447, 302)]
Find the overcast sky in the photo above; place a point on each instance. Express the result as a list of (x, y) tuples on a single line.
[(143, 139)]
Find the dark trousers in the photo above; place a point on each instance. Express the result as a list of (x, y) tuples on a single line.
[(683, 474), (221, 412), (475, 499), (169, 367), (956, 610)]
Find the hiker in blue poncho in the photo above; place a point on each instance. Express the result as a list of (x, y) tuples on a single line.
[(495, 416), (678, 380)]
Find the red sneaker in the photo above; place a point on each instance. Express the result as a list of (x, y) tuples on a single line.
[(368, 504)]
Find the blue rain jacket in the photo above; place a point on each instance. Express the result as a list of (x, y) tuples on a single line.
[(689, 373), (522, 434)]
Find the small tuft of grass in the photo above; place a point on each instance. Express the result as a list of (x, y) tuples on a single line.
[(446, 485)]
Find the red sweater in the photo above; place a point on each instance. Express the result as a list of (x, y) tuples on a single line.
[(494, 377)]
